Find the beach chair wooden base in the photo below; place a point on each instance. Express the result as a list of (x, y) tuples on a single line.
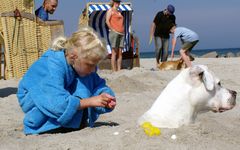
[(129, 61)]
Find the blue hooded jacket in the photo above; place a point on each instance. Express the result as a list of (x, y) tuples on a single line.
[(50, 92)]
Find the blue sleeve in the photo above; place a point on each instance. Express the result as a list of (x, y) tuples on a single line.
[(101, 87), (52, 97)]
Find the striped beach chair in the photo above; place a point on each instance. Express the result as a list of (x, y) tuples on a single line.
[(96, 18)]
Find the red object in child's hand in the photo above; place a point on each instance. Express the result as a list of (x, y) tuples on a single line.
[(112, 103)]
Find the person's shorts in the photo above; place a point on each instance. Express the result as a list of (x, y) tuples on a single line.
[(116, 39), (187, 46)]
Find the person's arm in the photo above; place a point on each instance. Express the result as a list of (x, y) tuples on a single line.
[(153, 25), (102, 100), (108, 16), (92, 91), (152, 30), (173, 46), (101, 87)]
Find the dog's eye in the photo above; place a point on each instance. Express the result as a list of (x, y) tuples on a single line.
[(219, 83)]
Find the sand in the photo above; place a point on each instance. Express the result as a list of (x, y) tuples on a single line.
[(136, 90)]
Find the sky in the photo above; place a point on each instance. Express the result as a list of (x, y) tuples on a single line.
[(217, 22)]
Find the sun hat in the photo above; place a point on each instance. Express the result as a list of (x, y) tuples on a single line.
[(171, 9)]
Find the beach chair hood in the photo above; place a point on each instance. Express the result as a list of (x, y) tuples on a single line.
[(97, 20)]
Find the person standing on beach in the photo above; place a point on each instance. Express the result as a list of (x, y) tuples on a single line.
[(62, 91), (48, 7), (160, 30), (188, 38), (115, 23)]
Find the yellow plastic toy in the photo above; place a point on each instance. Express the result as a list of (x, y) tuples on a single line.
[(150, 130)]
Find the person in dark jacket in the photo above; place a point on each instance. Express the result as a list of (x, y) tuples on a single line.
[(160, 30)]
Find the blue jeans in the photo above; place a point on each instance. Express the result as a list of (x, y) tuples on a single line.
[(161, 48)]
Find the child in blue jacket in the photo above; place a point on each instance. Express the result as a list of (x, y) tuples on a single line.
[(61, 91)]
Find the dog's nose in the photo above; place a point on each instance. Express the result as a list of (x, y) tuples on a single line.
[(232, 100), (234, 93)]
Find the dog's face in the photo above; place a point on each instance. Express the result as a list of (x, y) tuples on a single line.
[(210, 90)]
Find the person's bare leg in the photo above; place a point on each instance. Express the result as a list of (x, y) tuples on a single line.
[(113, 60), (185, 57), (119, 59)]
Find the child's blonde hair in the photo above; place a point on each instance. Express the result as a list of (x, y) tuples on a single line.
[(87, 42)]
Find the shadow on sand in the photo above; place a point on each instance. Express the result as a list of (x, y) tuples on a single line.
[(5, 92), (99, 124)]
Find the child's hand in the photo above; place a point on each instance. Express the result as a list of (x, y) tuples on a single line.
[(111, 102), (104, 100)]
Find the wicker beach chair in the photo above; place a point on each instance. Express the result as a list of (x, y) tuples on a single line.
[(25, 38), (95, 18), (10, 5)]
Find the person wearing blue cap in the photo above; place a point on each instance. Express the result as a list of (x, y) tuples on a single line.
[(160, 30)]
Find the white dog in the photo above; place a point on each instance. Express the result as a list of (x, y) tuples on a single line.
[(194, 90)]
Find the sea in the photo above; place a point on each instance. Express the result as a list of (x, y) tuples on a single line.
[(196, 53)]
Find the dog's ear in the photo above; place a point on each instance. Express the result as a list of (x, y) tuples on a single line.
[(208, 80), (200, 72)]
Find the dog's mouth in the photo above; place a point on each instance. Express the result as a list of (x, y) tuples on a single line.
[(222, 109)]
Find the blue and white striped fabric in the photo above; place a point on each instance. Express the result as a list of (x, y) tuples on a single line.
[(97, 20), (105, 7)]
